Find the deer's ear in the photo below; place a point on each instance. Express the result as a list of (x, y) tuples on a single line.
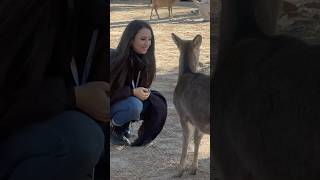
[(176, 39), (197, 41)]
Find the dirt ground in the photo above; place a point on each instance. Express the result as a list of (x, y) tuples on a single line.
[(160, 159)]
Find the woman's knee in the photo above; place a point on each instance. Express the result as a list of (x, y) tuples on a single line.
[(84, 139), (127, 110), (71, 139), (135, 106)]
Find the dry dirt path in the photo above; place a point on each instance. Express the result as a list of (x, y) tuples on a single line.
[(160, 159)]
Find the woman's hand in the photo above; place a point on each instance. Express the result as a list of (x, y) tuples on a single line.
[(141, 93), (92, 98)]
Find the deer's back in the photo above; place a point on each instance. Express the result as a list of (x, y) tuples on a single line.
[(266, 103), (163, 3), (192, 98)]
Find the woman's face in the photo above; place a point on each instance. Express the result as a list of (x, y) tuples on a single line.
[(142, 41)]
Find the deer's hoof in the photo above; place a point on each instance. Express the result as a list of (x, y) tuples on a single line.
[(193, 171), (179, 174)]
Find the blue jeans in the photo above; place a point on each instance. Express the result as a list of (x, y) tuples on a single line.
[(66, 147), (126, 110)]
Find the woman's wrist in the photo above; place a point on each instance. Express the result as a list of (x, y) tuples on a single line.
[(135, 92)]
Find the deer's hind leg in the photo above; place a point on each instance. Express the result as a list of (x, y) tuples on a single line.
[(157, 13), (151, 13), (187, 131), (170, 12), (197, 139)]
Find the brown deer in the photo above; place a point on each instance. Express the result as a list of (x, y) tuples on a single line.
[(155, 4), (266, 98), (191, 98)]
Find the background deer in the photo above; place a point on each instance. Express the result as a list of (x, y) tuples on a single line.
[(191, 98), (155, 4), (266, 98)]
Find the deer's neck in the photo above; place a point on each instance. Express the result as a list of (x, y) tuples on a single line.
[(237, 21), (242, 19), (188, 62)]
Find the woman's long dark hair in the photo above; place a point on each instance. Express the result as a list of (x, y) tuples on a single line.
[(120, 62)]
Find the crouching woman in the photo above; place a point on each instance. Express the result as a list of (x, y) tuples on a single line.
[(132, 72)]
